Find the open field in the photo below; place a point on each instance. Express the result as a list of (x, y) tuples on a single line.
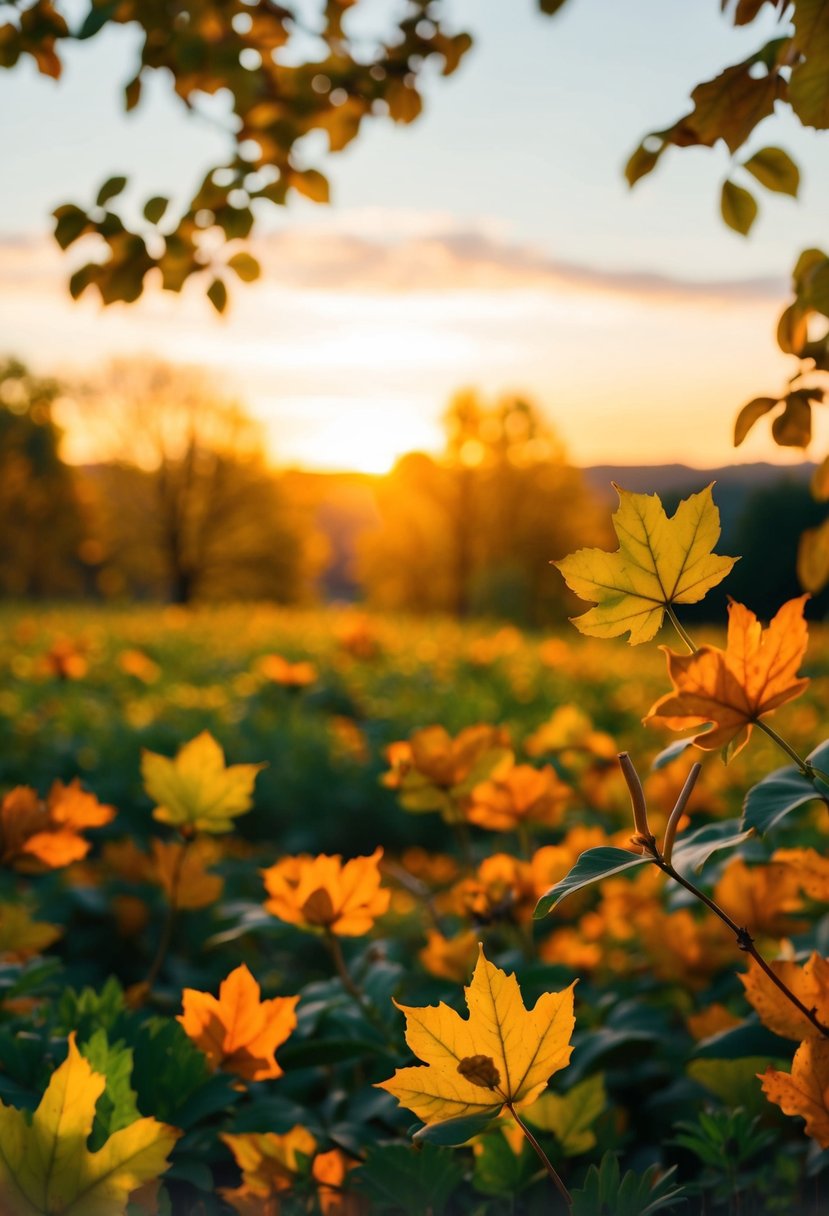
[(318, 697)]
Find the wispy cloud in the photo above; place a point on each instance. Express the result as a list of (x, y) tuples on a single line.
[(364, 324)]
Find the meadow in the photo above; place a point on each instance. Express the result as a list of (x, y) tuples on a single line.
[(101, 945)]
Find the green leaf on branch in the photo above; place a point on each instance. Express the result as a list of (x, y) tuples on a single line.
[(217, 295), (591, 867), (813, 558), (71, 223), (691, 853), (793, 329), (783, 791), (110, 189), (775, 170), (644, 160), (750, 414), (793, 428), (808, 90), (738, 207), (154, 208), (451, 1133), (245, 266)]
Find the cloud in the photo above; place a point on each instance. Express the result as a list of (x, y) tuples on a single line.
[(384, 253), (476, 258)]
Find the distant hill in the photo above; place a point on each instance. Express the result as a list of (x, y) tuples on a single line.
[(344, 505), (735, 483)]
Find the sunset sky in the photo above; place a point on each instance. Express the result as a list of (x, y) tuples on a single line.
[(494, 243)]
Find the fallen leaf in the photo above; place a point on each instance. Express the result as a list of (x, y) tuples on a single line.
[(735, 687), (660, 561)]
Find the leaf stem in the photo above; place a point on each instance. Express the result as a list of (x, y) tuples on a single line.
[(674, 619), (802, 764), (545, 1160), (348, 982), (169, 920)]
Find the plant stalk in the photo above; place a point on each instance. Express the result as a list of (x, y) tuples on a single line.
[(545, 1160), (169, 921)]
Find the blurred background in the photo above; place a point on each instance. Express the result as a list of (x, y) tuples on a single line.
[(426, 393)]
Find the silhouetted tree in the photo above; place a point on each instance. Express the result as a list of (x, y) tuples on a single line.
[(475, 531), (184, 489), (41, 522)]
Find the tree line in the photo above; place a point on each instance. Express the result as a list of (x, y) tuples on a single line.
[(171, 497)]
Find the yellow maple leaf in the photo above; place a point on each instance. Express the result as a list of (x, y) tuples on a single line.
[(733, 688), (21, 936), (197, 790), (502, 1055), (660, 561), (805, 1090), (45, 1165), (239, 1032)]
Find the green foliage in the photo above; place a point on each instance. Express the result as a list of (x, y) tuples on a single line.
[(410, 1180), (609, 1193), (769, 802)]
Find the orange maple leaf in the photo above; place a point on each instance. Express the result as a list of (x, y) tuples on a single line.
[(238, 1032), (735, 687), (37, 834), (809, 983), (805, 1090)]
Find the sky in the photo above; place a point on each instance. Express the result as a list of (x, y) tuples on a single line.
[(493, 243)]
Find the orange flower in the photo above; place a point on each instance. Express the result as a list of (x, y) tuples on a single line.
[(451, 958), (270, 1164), (323, 893), (522, 795), (65, 660), (290, 675), (37, 834), (434, 772), (239, 1032), (501, 889), (357, 635), (139, 665), (182, 868), (330, 1172)]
